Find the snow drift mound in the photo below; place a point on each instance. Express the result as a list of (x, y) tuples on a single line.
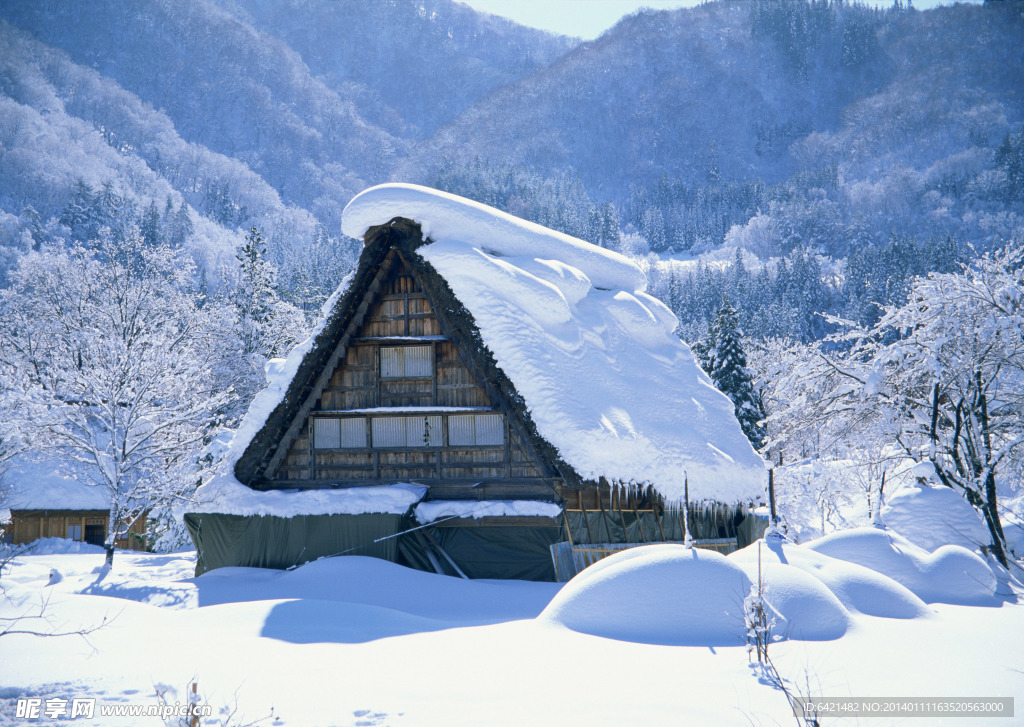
[(949, 575), (657, 594), (857, 588), (60, 546), (367, 581), (931, 517), (805, 608)]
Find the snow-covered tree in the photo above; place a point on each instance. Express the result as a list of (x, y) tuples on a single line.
[(150, 225), (256, 299), (726, 364), (941, 377), (118, 368), (264, 325)]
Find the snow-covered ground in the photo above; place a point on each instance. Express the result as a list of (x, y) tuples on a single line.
[(647, 637)]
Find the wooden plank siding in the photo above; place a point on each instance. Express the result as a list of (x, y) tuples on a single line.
[(399, 313), (29, 525)]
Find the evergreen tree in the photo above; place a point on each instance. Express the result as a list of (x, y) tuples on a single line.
[(726, 364), (150, 226), (256, 297), (79, 214), (179, 226), (264, 326)]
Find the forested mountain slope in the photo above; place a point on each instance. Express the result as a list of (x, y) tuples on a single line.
[(79, 152), (825, 132), (410, 66), (727, 88), (231, 87), (840, 122)]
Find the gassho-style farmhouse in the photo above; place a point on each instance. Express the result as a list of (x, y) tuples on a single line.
[(482, 397)]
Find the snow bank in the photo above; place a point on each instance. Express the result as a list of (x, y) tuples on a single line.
[(857, 588), (225, 495), (931, 517), (44, 486), (595, 358), (61, 546), (428, 512), (805, 608), (949, 575), (375, 582), (656, 594)]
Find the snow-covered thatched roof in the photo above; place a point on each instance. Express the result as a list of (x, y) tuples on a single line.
[(564, 332), (595, 359)]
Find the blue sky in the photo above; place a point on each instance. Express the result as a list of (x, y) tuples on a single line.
[(587, 19)]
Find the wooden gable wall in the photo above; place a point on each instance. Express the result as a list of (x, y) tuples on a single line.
[(400, 316), (81, 525)]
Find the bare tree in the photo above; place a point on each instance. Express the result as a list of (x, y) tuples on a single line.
[(941, 377), (120, 373)]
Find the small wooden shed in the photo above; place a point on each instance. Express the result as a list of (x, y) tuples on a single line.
[(45, 503), (522, 378)]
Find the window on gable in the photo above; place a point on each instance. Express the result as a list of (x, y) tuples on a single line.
[(349, 433), (417, 431), (476, 430), (406, 362)]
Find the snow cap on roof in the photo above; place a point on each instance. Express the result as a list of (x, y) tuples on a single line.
[(595, 358), (47, 486), (225, 495)]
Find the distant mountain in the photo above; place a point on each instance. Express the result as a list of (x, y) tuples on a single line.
[(754, 89), (424, 62), (822, 124), (770, 125), (78, 151), (229, 86)]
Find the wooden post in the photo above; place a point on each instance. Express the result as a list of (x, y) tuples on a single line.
[(639, 524), (194, 720), (771, 496), (586, 518)]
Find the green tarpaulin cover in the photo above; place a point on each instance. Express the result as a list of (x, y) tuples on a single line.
[(277, 542), (492, 551)]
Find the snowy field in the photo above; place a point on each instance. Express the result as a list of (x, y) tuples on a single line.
[(652, 636)]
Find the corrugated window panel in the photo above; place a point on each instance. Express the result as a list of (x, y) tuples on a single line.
[(423, 431), (418, 361), (490, 429), (461, 430), (388, 431), (326, 433), (391, 360), (436, 432), (353, 433)]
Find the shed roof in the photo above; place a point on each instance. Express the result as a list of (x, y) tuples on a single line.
[(31, 485)]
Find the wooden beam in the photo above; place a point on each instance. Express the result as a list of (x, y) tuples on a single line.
[(586, 521), (657, 519), (639, 524), (429, 552), (444, 553)]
